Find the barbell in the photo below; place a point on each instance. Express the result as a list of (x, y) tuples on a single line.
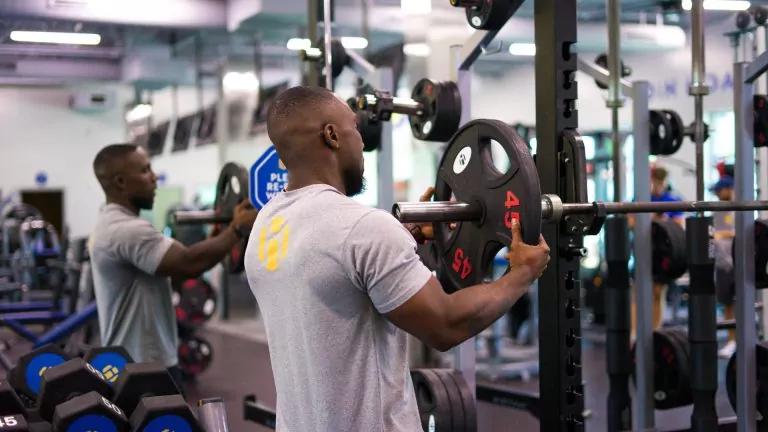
[(481, 195)]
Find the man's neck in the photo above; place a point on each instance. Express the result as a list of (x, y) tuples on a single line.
[(298, 180), (123, 203)]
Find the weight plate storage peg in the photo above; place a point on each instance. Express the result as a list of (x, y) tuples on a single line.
[(486, 14), (110, 361), (26, 375), (668, 252), (466, 172), (195, 355), (602, 61), (194, 301), (231, 189), (671, 370), (761, 369)]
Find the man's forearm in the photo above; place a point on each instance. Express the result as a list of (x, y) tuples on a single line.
[(207, 253), (475, 308)]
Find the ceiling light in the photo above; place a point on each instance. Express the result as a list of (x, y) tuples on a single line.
[(416, 7), (55, 37), (298, 44), (416, 49), (522, 49), (721, 5), (139, 112)]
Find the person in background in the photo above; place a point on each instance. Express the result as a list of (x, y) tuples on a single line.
[(724, 277), (660, 192), (132, 262)]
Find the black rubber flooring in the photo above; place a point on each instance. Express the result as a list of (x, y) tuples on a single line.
[(242, 367)]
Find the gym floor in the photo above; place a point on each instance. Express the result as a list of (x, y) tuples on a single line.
[(241, 366)]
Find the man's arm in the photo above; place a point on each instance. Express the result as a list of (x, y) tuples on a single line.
[(383, 258), (139, 243)]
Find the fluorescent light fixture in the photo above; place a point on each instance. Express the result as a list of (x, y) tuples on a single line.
[(416, 49), (522, 49), (139, 112), (298, 44), (720, 5), (240, 81), (55, 37), (416, 7)]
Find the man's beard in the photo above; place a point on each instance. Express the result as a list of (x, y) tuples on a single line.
[(143, 203), (354, 182)]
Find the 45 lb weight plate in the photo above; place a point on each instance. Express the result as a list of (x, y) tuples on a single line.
[(195, 302), (668, 251), (467, 172), (671, 372), (441, 115)]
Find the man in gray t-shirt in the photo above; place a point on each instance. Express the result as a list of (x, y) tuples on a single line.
[(339, 284), (132, 261)]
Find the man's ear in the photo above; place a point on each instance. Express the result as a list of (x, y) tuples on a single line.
[(330, 136), (119, 181)]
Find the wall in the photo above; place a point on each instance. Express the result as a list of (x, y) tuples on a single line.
[(41, 133)]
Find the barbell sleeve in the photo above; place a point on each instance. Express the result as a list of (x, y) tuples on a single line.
[(199, 218), (396, 105), (552, 209)]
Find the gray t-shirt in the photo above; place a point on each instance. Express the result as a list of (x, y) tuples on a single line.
[(324, 268), (135, 306)]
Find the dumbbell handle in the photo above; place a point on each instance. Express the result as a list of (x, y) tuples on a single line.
[(199, 218)]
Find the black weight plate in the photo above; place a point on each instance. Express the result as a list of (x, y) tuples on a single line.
[(441, 113), (467, 171), (761, 368), (677, 131), (432, 401), (760, 120), (231, 189), (454, 399), (467, 401), (370, 132), (667, 249), (659, 129), (489, 14), (682, 339), (339, 57), (195, 355), (671, 374), (194, 301)]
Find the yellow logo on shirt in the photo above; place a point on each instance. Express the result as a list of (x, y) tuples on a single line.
[(273, 242), (729, 219)]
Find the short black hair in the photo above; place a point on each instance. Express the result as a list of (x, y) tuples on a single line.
[(296, 101), (109, 154)]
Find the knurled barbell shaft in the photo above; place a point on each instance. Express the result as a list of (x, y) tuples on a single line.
[(552, 209), (399, 105), (199, 218)]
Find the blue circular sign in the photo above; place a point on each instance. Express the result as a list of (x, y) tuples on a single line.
[(110, 365), (92, 422), (161, 178), (38, 365), (41, 178), (170, 422)]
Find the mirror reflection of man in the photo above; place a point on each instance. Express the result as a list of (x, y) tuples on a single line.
[(724, 277)]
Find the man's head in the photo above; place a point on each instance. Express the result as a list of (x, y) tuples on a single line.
[(723, 188), (315, 133), (659, 183), (125, 174)]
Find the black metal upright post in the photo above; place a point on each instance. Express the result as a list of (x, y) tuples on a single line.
[(702, 322), (560, 385), (617, 317)]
